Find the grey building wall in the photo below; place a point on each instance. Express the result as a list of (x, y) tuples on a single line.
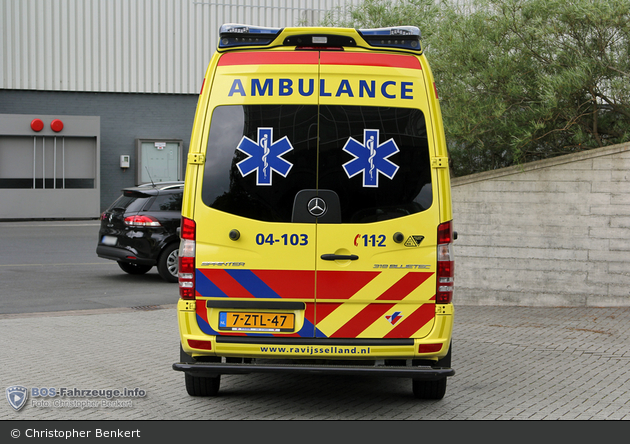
[(548, 233), (124, 118)]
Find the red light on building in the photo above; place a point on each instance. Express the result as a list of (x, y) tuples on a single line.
[(56, 125), (37, 125)]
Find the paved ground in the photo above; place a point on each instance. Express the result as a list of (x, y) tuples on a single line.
[(512, 363), (50, 266)]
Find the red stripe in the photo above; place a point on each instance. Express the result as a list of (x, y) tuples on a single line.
[(269, 58), (289, 284), (324, 309), (413, 322), (202, 311), (342, 284), (389, 60), (227, 284), (312, 58), (404, 286), (362, 320)]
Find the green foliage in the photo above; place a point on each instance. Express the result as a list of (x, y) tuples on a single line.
[(382, 13), (520, 80)]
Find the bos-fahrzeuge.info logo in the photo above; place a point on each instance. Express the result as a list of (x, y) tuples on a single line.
[(18, 395)]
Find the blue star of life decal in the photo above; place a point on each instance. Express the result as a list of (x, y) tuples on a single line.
[(370, 158), (264, 156)]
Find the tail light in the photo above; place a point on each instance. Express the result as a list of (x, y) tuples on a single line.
[(142, 221), (445, 264), (187, 259), (204, 345), (429, 348)]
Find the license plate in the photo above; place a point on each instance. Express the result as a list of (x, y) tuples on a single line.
[(109, 240), (247, 321)]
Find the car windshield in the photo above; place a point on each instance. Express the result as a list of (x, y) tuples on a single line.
[(376, 159)]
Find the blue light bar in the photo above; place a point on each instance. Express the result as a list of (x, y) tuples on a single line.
[(405, 37), (233, 35)]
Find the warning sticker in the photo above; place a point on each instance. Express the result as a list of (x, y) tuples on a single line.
[(414, 241)]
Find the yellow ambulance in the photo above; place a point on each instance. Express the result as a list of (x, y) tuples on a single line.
[(317, 227)]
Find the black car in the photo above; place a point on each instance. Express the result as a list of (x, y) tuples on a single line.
[(139, 230)]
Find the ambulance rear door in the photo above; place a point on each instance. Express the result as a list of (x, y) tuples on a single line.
[(255, 267), (376, 244)]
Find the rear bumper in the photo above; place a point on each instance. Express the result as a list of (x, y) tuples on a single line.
[(210, 369), (121, 254)]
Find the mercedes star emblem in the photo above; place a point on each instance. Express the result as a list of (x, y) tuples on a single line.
[(317, 206)]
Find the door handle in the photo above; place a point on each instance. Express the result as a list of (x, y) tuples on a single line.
[(340, 257)]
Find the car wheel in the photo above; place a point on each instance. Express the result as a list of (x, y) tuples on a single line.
[(202, 386), (429, 389), (168, 263), (130, 268)]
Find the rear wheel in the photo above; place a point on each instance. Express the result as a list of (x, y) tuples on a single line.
[(168, 263), (202, 386), (429, 389), (130, 268), (433, 389)]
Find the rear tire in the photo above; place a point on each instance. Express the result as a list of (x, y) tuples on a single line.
[(130, 268), (429, 389), (435, 390), (202, 386), (168, 263)]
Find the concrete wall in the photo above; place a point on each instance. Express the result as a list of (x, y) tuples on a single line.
[(548, 233)]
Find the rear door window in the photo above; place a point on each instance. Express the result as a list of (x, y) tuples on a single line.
[(376, 159), (260, 156)]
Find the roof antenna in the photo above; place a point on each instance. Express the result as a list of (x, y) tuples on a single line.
[(150, 178)]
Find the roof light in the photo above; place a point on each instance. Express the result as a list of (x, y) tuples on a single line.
[(234, 35), (405, 37)]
